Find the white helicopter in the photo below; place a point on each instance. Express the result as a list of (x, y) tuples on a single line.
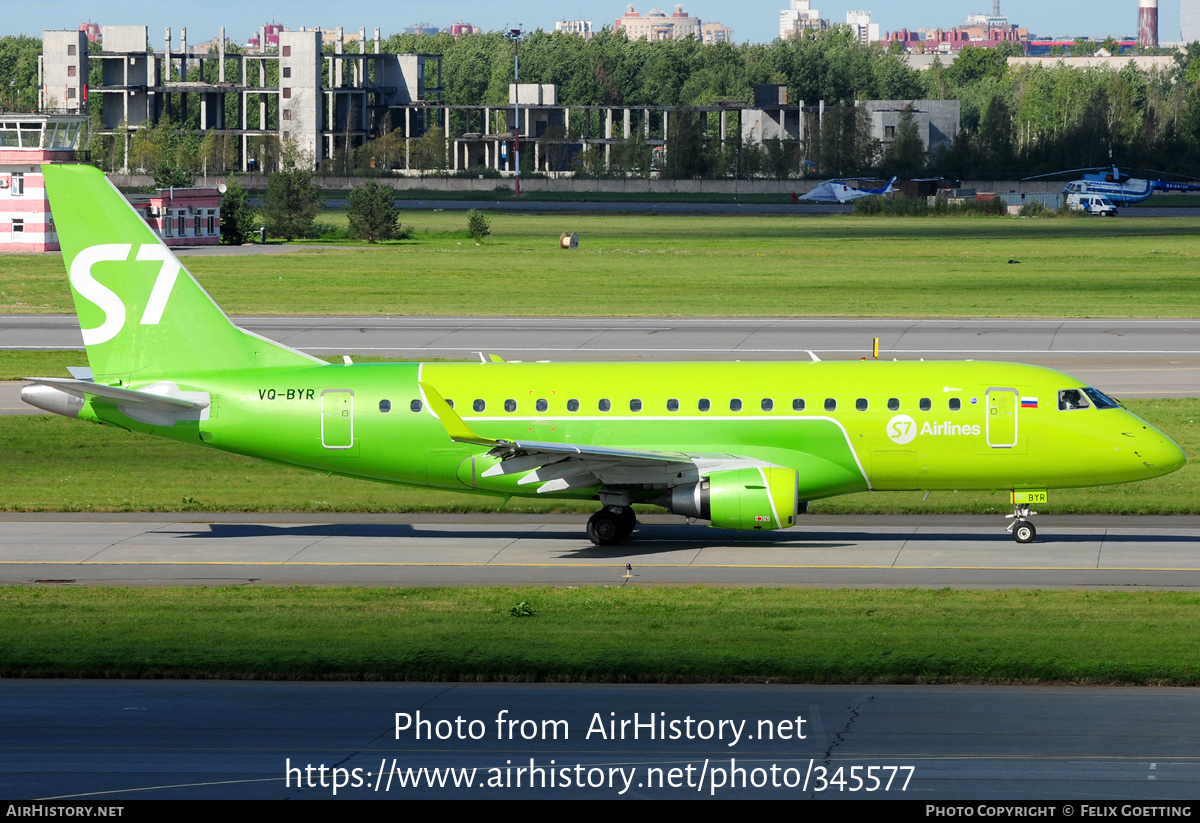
[(835, 191), (1121, 189)]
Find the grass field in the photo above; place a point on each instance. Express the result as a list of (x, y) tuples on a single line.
[(604, 635), (55, 464), (645, 265)]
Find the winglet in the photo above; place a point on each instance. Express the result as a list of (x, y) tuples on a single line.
[(459, 431)]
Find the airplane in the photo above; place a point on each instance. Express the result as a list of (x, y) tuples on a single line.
[(1121, 189), (835, 191), (740, 445)]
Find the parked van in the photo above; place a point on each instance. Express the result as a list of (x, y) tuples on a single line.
[(1093, 204)]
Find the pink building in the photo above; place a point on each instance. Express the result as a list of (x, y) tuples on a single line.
[(26, 142), (269, 33), (182, 217)]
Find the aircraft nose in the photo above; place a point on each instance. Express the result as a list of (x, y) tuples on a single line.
[(1160, 454), (1172, 456)]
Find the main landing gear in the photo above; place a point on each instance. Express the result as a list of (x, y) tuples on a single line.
[(611, 525), (1022, 529)]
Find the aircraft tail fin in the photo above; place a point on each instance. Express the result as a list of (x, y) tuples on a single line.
[(889, 188), (142, 313)]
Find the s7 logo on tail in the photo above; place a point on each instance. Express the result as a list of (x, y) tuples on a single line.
[(107, 300)]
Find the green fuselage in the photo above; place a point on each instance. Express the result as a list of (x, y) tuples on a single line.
[(359, 420)]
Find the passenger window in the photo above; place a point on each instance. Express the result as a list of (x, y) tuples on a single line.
[(1071, 399), (955, 404), (672, 405), (416, 405), (830, 404), (735, 405), (635, 405), (926, 404), (572, 405), (704, 404), (385, 406), (798, 404), (605, 405), (479, 405), (893, 404), (861, 404), (541, 405), (768, 404), (510, 406)]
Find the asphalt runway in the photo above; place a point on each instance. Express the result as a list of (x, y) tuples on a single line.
[(514, 550), (1127, 358), (108, 742)]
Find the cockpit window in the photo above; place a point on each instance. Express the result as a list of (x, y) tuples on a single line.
[(1101, 400), (1071, 399)]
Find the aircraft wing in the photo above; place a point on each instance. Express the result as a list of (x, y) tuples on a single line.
[(564, 466)]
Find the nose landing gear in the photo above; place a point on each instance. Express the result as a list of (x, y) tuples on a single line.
[(1022, 529)]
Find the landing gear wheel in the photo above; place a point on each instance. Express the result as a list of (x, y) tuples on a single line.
[(1022, 530), (604, 528), (628, 521)]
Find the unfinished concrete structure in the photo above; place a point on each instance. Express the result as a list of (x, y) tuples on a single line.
[(63, 71), (328, 101), (320, 102), (937, 120)]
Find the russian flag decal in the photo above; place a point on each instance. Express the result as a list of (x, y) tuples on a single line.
[(1029, 402)]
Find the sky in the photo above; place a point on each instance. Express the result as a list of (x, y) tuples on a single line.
[(751, 20)]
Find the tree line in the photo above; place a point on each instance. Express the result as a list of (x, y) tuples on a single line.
[(1015, 122)]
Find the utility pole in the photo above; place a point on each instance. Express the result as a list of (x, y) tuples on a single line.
[(515, 34)]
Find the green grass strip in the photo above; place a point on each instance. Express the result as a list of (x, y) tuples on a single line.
[(672, 265), (604, 635)]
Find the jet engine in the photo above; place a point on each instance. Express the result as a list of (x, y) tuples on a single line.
[(765, 497)]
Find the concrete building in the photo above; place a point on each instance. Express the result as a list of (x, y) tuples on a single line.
[(798, 16), (321, 103), (581, 28), (937, 120), (26, 142), (862, 27), (1189, 21), (63, 71), (771, 118), (715, 33), (1114, 62), (657, 25)]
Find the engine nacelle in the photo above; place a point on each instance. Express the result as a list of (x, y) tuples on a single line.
[(756, 498)]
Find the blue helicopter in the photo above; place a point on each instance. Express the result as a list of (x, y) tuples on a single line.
[(1121, 189)]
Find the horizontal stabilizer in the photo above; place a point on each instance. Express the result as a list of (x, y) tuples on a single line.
[(152, 400)]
